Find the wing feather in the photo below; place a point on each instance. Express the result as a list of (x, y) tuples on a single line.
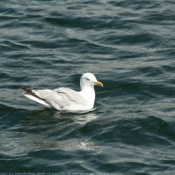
[(72, 95), (61, 97)]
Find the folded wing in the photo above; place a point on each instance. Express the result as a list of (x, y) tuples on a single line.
[(60, 98)]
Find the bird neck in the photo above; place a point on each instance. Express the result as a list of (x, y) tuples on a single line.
[(88, 92), (87, 89)]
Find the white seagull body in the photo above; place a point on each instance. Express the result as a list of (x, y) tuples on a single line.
[(65, 99)]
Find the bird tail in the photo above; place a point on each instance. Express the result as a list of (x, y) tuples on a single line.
[(31, 95)]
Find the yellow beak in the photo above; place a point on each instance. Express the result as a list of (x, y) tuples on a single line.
[(99, 83)]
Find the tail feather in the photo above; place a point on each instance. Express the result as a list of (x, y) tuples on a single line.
[(30, 92), (31, 95)]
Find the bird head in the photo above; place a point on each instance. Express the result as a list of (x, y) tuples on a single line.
[(89, 80)]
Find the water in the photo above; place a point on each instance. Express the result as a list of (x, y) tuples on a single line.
[(129, 46)]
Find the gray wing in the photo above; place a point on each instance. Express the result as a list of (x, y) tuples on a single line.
[(72, 95), (61, 97)]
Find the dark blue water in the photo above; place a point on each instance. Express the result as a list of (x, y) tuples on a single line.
[(129, 46)]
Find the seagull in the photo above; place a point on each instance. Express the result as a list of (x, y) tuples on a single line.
[(66, 99)]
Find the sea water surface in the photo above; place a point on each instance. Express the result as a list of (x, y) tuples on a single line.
[(129, 45)]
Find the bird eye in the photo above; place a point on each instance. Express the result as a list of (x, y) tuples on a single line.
[(87, 79)]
